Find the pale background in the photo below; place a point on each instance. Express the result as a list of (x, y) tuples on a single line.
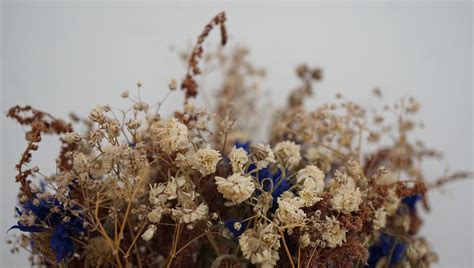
[(64, 57)]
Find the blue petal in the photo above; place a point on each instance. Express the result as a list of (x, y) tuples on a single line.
[(243, 145), (412, 200), (61, 243)]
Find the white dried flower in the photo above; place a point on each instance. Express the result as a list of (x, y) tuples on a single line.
[(237, 225), (204, 160), (380, 219), (155, 215), (333, 233), (97, 114), (289, 209), (260, 245), (133, 124), (236, 188), (80, 163), (125, 94), (305, 240), (311, 180), (238, 158), (149, 233), (288, 152), (346, 199), (189, 214), (72, 137), (173, 84), (263, 155), (171, 134)]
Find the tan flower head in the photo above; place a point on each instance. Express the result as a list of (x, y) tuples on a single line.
[(236, 188)]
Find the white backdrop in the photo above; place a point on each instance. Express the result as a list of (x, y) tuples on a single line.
[(64, 57)]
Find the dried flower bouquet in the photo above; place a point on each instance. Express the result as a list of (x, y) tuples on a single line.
[(136, 189)]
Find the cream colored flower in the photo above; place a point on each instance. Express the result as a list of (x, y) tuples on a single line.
[(187, 214), (204, 160), (236, 188), (305, 240), (80, 163), (380, 219), (170, 134), (149, 233), (333, 235), (289, 209), (311, 180), (260, 245), (238, 158), (72, 137), (346, 199), (288, 152), (97, 114), (155, 215), (263, 155)]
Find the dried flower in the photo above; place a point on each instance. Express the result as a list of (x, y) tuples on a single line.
[(170, 134), (288, 152), (289, 209), (236, 188), (149, 233), (204, 160), (263, 155), (260, 245), (334, 235), (238, 158), (311, 180)]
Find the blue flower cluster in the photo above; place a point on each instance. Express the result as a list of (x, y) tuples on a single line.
[(48, 219), (387, 246)]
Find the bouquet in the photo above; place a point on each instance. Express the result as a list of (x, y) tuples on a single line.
[(335, 186)]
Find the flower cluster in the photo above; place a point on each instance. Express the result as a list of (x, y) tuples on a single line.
[(193, 189)]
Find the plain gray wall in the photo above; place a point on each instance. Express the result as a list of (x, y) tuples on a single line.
[(64, 57)]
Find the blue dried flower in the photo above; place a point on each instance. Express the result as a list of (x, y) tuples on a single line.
[(412, 200), (383, 248), (48, 219)]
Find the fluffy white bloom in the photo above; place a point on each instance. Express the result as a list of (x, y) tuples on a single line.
[(236, 188), (72, 137), (392, 202), (263, 155), (333, 233), (171, 134), (154, 216), (346, 199), (380, 219), (80, 163), (204, 160), (188, 214), (97, 114), (312, 184), (289, 209), (288, 152), (149, 233), (305, 240), (385, 177), (260, 245), (160, 193), (238, 158)]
